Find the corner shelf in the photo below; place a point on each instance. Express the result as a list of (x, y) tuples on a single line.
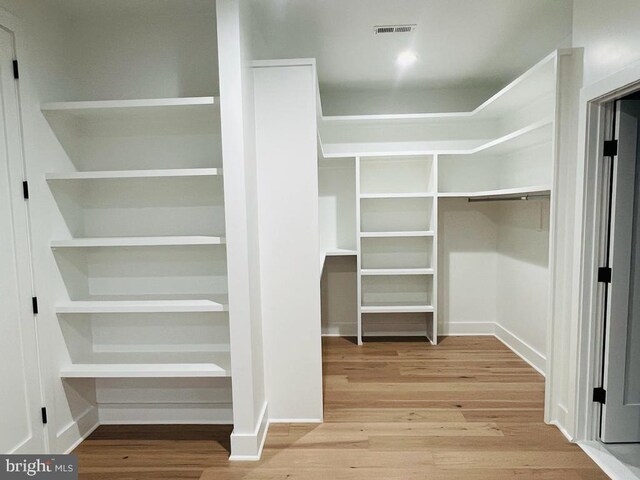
[(396, 271), (142, 370), (117, 174), (140, 306), (535, 190), (137, 241)]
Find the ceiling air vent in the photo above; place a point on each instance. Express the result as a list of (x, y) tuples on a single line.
[(393, 29)]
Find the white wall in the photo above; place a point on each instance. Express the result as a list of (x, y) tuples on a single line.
[(523, 278), (44, 67), (608, 31), (467, 267), (286, 146), (151, 54), (353, 101)]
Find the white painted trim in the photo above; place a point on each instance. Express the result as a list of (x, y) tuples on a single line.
[(295, 420), (74, 430), (583, 347), (613, 467), (563, 431), (521, 348), (81, 439), (460, 329), (248, 446)]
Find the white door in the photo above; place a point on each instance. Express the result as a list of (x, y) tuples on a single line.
[(21, 428), (621, 411)]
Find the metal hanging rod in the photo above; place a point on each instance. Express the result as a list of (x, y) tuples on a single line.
[(532, 196)]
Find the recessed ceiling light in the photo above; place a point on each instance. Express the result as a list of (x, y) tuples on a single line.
[(406, 58)]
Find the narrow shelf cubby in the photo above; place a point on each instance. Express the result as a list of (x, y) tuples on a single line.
[(397, 252), (396, 214), (397, 293), (396, 176)]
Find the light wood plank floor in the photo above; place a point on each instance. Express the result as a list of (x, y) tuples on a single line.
[(395, 410)]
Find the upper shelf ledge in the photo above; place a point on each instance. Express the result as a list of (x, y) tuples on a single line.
[(129, 104), (176, 110), (115, 174)]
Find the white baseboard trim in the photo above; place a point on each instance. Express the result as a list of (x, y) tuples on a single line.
[(522, 349), (563, 430), (165, 413), (468, 328), (247, 447), (77, 431), (609, 464), (295, 420)]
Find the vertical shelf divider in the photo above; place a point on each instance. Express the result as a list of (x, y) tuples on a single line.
[(359, 253)]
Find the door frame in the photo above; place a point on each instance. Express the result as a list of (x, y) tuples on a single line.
[(586, 345), (14, 26)]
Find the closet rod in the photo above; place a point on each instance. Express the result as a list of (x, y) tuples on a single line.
[(505, 199)]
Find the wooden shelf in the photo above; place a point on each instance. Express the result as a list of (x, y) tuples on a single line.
[(396, 309), (397, 271), (131, 370), (137, 242), (424, 233), (121, 174), (397, 195), (140, 306), (535, 190)]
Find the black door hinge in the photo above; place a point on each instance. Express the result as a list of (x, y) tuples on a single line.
[(600, 395), (16, 72), (34, 304), (44, 415), (610, 148), (25, 190), (604, 275)]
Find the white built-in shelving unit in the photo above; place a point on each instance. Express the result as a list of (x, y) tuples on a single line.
[(144, 259), (396, 238), (406, 166)]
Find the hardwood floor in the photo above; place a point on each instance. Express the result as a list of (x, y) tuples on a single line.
[(466, 409)]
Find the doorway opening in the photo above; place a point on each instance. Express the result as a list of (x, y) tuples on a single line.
[(615, 417)]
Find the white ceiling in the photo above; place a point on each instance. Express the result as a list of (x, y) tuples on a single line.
[(459, 43)]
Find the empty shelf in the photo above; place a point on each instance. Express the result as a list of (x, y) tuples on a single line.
[(423, 233), (137, 241), (339, 252), (130, 370), (141, 306), (396, 308), (534, 190), (116, 174), (397, 271), (178, 110), (397, 195)]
